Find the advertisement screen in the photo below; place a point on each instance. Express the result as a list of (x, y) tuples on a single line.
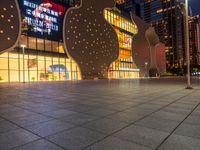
[(42, 18)]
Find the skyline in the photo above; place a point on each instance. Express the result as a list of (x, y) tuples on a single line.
[(194, 4)]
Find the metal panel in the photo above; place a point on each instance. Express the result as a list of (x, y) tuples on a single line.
[(141, 51), (10, 24), (161, 58), (153, 40), (89, 39)]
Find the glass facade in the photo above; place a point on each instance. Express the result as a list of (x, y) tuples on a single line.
[(124, 66), (40, 60)]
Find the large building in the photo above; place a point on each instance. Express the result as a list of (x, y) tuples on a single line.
[(167, 18), (40, 54), (194, 35), (133, 6), (124, 66)]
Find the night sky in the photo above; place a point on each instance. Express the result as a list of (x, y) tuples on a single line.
[(195, 5)]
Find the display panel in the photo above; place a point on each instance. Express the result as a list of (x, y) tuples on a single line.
[(42, 18)]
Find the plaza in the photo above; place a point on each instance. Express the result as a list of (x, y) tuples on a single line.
[(136, 114)]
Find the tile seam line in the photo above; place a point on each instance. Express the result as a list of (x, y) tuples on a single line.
[(78, 125), (106, 117), (85, 112), (40, 137), (177, 127), (32, 142), (137, 121)]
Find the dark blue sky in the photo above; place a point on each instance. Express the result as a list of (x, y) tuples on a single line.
[(195, 5)]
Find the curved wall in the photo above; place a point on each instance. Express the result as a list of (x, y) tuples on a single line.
[(10, 24), (148, 52), (140, 46), (89, 39)]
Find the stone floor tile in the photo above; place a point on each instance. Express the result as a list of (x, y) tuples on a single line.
[(138, 111), (159, 102), (105, 126), (6, 108), (169, 116), (49, 127), (158, 124), (188, 130), (16, 138), (125, 117), (176, 110), (39, 145), (30, 120), (6, 126), (118, 106), (81, 108), (193, 119), (59, 113), (178, 142), (178, 105), (141, 135), (100, 112), (41, 106), (112, 143), (148, 106), (76, 138), (78, 119), (17, 114)]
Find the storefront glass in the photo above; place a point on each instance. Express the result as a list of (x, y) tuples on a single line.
[(124, 66), (42, 62)]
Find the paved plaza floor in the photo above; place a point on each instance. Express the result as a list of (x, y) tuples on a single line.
[(143, 114)]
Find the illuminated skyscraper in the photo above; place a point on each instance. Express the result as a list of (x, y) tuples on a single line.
[(167, 18), (130, 6), (194, 35)]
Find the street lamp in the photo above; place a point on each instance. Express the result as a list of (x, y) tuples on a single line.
[(146, 71), (23, 48), (187, 47)]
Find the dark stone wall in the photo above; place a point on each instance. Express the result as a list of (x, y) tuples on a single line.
[(10, 24), (89, 39)]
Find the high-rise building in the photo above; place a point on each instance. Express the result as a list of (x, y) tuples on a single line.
[(166, 16), (194, 35), (130, 6)]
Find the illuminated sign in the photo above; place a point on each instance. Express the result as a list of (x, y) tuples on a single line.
[(43, 18)]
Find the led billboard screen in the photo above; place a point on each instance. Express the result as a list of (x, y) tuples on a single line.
[(42, 18)]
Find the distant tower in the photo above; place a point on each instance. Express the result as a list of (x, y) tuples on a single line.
[(194, 38), (168, 20), (133, 6)]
